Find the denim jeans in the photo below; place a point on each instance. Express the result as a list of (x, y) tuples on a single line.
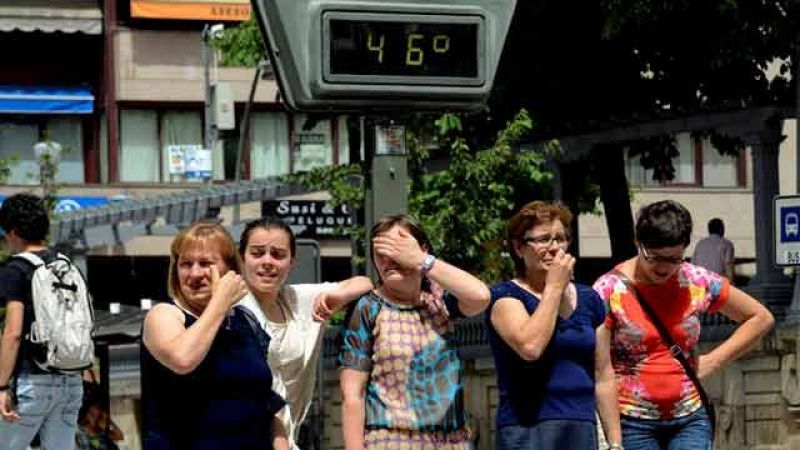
[(548, 435), (48, 404), (692, 432)]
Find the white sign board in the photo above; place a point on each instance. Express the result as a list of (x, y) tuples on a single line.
[(198, 162), (787, 230)]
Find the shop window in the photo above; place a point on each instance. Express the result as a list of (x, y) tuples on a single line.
[(697, 164), (155, 145), (18, 136), (312, 143), (269, 144), (138, 150), (282, 143)]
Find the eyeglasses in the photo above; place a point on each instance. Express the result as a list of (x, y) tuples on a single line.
[(658, 259), (546, 240)]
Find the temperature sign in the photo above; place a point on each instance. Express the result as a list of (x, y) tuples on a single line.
[(403, 49)]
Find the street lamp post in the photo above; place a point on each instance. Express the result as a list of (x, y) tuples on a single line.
[(48, 155)]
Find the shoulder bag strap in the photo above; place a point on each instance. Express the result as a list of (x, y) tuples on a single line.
[(674, 349)]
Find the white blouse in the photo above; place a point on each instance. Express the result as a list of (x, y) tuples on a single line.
[(294, 349)]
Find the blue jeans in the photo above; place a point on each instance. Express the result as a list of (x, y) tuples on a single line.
[(548, 435), (47, 404), (692, 432)]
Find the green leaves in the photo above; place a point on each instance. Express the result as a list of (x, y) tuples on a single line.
[(240, 45), (464, 207)]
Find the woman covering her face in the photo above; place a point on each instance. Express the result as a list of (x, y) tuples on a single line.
[(549, 343), (290, 314), (401, 374), (661, 407), (205, 381)]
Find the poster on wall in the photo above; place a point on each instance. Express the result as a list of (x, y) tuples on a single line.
[(175, 154), (197, 161), (212, 10), (312, 149)]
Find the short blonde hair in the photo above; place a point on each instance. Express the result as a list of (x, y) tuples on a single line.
[(530, 215), (200, 233)]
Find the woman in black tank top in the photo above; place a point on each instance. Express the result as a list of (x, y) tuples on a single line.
[(205, 380)]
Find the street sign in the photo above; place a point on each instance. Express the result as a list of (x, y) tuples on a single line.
[(384, 55), (787, 230), (310, 218)]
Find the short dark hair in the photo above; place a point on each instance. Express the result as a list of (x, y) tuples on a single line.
[(716, 226), (267, 223), (664, 224), (26, 215)]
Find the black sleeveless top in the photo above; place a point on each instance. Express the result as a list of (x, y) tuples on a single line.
[(226, 402)]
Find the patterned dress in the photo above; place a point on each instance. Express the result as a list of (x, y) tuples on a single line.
[(652, 384), (414, 395)]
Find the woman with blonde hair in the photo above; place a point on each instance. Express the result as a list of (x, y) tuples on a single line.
[(205, 380), (401, 373)]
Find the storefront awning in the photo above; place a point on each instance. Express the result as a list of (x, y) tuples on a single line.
[(49, 16), (45, 100)]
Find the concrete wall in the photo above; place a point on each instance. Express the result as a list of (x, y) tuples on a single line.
[(165, 66)]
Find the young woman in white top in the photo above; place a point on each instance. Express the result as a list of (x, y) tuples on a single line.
[(290, 314)]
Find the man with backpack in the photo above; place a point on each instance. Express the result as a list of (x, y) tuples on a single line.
[(46, 339)]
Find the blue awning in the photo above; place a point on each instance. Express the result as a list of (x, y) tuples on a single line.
[(45, 100)]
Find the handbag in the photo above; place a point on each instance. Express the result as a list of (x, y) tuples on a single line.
[(674, 349)]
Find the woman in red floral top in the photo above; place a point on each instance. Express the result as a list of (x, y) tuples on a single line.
[(660, 406)]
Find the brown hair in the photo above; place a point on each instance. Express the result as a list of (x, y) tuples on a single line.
[(530, 215), (386, 223), (200, 233)]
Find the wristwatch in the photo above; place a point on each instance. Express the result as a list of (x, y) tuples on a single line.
[(4, 388), (427, 264)]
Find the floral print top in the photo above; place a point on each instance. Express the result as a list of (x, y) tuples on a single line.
[(414, 396), (652, 383)]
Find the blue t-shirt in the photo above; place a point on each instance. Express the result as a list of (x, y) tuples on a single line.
[(560, 384)]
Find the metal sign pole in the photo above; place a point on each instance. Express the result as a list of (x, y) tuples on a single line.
[(387, 180)]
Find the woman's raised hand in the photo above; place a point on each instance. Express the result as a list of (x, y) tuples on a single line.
[(321, 311), (560, 270), (228, 289), (401, 248)]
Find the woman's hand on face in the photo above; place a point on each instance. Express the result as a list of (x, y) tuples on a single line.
[(401, 248), (228, 289), (559, 273)]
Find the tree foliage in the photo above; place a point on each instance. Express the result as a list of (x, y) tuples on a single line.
[(240, 45), (463, 207)]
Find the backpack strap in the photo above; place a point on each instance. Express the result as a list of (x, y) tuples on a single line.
[(674, 349), (30, 257)]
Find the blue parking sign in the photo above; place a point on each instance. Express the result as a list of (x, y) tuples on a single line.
[(790, 223)]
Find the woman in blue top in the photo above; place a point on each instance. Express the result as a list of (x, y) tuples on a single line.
[(550, 347), (205, 381)]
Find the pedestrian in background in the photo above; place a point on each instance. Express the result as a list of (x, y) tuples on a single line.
[(655, 300), (550, 346), (714, 252), (205, 380), (32, 399), (401, 373), (290, 314)]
